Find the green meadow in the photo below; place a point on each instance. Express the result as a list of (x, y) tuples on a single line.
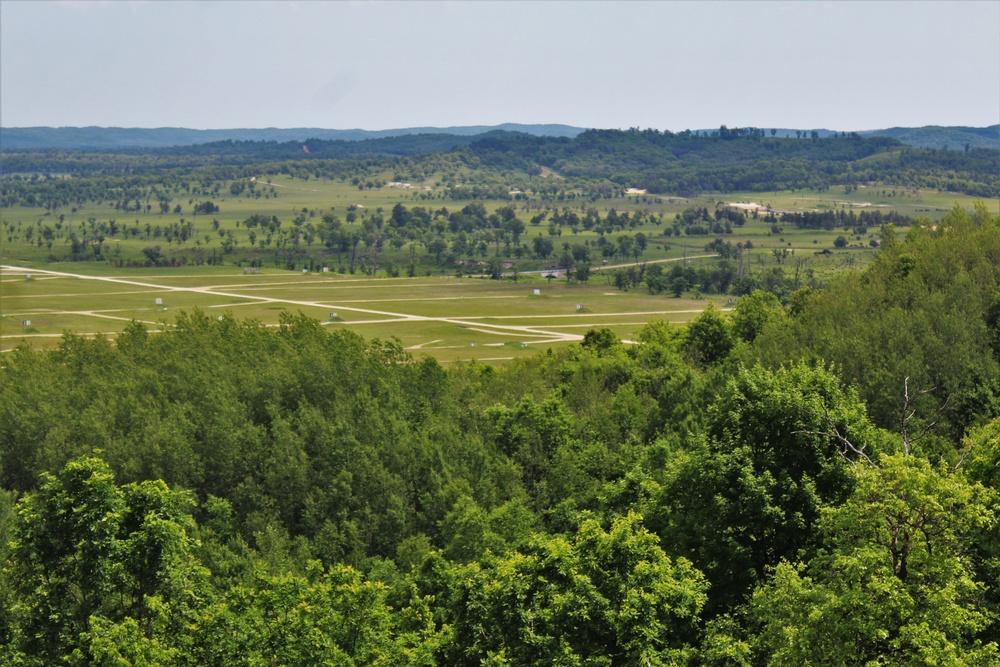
[(287, 198), (444, 309), (447, 317)]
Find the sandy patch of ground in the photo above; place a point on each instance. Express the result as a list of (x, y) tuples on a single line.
[(420, 345), (747, 206)]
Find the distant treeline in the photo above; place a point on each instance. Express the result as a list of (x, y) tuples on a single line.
[(119, 138), (951, 137), (830, 220), (746, 160), (686, 163)]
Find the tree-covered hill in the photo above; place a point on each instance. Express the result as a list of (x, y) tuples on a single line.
[(814, 484), (22, 139), (745, 159), (726, 160), (950, 138)]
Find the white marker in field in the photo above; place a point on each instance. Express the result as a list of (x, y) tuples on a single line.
[(158, 301), (538, 292)]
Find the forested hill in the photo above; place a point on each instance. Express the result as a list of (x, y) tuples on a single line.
[(117, 138), (951, 138), (726, 160), (742, 159), (810, 485)]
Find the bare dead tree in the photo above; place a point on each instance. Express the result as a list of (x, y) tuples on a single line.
[(909, 411), (846, 448)]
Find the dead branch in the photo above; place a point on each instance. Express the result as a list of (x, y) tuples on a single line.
[(845, 446), (909, 411)]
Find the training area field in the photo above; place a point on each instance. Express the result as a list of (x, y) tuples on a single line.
[(440, 310), (446, 317)]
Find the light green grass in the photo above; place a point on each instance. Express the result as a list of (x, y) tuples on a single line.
[(446, 317), (55, 304)]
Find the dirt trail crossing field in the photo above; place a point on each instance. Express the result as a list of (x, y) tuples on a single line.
[(448, 318)]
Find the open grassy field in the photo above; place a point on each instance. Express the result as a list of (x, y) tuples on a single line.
[(288, 198), (449, 318), (437, 311)]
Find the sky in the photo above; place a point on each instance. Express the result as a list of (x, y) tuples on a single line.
[(383, 65)]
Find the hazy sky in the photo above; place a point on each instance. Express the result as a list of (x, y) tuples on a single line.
[(380, 65)]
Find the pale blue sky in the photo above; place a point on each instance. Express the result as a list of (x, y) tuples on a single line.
[(380, 65)]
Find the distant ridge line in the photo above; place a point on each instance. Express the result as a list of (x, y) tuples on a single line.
[(102, 138), (112, 138)]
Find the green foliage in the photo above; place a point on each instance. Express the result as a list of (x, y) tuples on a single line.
[(85, 549), (331, 617), (753, 313), (896, 585), (602, 598), (709, 337), (752, 491), (920, 311), (296, 427), (983, 463), (600, 340)]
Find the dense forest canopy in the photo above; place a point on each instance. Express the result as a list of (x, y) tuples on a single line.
[(810, 483)]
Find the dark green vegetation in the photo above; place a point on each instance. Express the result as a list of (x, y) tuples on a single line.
[(727, 160), (951, 138), (111, 138), (810, 484)]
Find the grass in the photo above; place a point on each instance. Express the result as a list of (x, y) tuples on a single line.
[(449, 317), (324, 196)]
